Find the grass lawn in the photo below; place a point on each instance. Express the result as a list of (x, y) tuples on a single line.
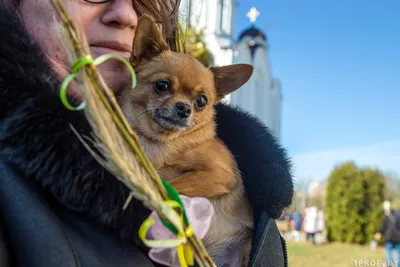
[(329, 255)]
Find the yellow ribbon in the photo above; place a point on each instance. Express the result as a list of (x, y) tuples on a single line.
[(185, 254), (86, 60)]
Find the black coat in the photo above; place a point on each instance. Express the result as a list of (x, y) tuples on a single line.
[(59, 207), (390, 228)]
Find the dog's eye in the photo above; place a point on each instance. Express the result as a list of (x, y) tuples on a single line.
[(161, 86), (201, 101)]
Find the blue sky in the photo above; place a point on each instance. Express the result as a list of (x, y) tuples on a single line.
[(339, 64)]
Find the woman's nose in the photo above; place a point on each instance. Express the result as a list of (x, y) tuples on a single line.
[(121, 14)]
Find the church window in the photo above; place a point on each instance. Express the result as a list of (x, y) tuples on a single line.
[(224, 16)]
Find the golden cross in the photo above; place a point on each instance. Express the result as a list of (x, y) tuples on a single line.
[(253, 14)]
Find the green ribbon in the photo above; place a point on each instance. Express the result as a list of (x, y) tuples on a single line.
[(86, 60), (173, 194)]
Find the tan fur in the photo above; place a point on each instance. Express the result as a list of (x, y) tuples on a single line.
[(193, 159)]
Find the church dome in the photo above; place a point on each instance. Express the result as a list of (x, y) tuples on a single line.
[(253, 32)]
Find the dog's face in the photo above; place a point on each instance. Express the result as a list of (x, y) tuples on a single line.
[(175, 93)]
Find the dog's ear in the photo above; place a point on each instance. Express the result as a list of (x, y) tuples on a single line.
[(148, 41), (229, 78)]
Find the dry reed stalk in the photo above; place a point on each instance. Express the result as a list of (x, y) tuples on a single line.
[(119, 148)]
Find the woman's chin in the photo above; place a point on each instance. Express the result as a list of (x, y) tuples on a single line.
[(116, 76)]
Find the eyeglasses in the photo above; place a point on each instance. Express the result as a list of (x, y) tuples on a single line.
[(136, 6)]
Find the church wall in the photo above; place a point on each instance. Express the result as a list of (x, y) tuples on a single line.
[(261, 61), (201, 13), (241, 97), (206, 15), (265, 98), (277, 100)]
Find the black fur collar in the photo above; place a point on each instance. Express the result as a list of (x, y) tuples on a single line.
[(36, 136)]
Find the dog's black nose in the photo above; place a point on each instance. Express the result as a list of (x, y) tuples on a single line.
[(183, 110)]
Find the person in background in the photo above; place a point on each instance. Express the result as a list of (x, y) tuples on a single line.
[(390, 231), (310, 223), (320, 222), (296, 218)]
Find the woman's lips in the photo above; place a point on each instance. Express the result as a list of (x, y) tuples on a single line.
[(101, 50)]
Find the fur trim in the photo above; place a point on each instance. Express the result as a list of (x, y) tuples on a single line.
[(265, 167)]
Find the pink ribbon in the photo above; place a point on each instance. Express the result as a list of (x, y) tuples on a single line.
[(199, 212)]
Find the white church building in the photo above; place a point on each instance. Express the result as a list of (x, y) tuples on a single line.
[(262, 95)]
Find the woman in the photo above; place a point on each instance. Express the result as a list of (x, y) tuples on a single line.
[(58, 206)]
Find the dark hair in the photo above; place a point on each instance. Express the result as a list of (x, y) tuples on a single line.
[(166, 13)]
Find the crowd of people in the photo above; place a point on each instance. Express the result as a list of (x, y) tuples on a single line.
[(311, 222), (307, 225)]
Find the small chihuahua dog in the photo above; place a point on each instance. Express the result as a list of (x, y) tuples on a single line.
[(172, 111)]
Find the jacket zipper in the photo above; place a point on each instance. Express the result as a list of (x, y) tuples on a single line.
[(285, 256)]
